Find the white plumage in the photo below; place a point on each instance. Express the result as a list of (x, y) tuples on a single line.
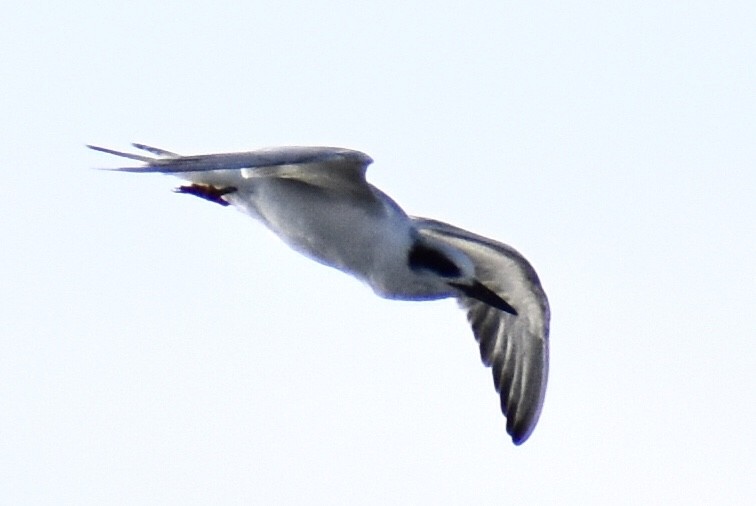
[(316, 199)]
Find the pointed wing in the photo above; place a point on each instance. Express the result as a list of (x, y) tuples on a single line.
[(155, 151), (337, 168), (516, 347), (171, 163)]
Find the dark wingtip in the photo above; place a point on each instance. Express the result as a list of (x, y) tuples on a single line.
[(520, 435), (518, 440)]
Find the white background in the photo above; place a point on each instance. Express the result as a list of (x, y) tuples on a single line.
[(156, 349)]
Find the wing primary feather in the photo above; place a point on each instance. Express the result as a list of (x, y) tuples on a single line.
[(497, 368), (505, 376), (141, 158), (485, 331), (514, 389), (155, 151)]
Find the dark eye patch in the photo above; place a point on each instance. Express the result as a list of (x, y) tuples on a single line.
[(422, 257)]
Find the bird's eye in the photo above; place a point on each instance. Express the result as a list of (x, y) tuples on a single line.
[(422, 257)]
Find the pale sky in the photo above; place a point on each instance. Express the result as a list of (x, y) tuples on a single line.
[(157, 349)]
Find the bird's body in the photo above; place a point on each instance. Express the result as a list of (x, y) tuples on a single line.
[(335, 216), (318, 201)]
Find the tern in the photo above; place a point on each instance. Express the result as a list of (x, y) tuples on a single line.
[(317, 200)]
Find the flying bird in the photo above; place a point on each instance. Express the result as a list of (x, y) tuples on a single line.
[(317, 200)]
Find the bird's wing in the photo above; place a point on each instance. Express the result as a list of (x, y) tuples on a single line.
[(317, 165), (515, 346), (155, 151)]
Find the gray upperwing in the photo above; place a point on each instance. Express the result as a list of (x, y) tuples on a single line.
[(516, 347), (265, 157), (155, 151)]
